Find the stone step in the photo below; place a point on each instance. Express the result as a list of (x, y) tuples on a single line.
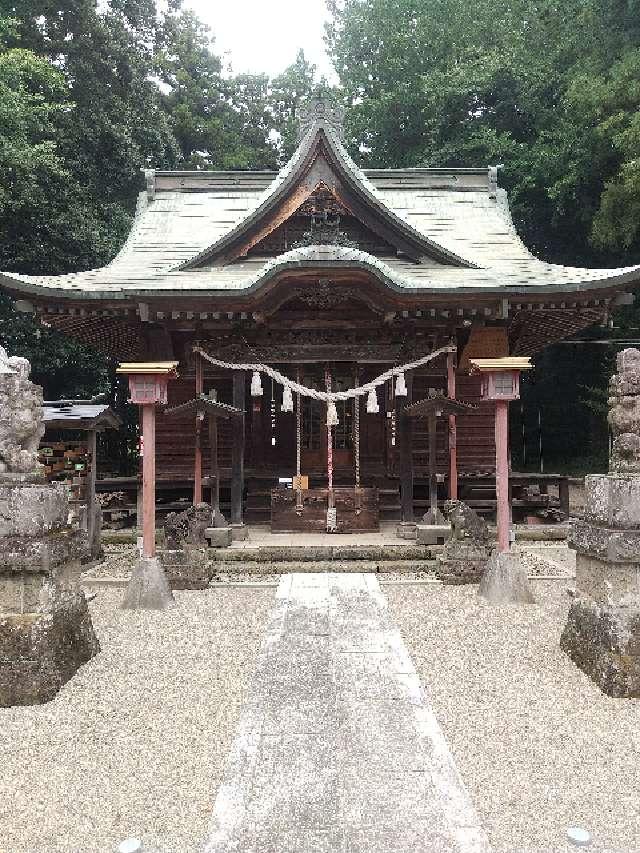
[(341, 566), (306, 553)]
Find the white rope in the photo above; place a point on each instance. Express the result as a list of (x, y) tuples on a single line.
[(325, 396)]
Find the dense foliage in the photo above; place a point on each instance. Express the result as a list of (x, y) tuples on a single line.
[(552, 90)]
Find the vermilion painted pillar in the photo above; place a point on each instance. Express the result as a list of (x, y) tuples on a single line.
[(149, 480), (197, 472), (503, 515), (453, 452)]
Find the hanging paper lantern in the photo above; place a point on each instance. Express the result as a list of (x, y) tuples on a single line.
[(401, 386), (332, 414), (287, 399), (256, 385), (372, 402)]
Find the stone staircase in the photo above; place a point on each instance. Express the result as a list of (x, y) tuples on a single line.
[(279, 559)]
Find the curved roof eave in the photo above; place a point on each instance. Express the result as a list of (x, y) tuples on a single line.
[(307, 260)]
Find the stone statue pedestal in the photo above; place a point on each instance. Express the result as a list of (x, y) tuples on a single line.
[(46, 632), (602, 633)]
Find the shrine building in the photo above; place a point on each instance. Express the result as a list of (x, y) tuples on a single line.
[(330, 275)]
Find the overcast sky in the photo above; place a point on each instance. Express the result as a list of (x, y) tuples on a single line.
[(265, 35)]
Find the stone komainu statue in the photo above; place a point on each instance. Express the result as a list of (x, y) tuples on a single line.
[(466, 524), (21, 424)]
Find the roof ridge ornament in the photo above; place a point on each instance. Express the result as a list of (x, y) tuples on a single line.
[(320, 109), (493, 179)]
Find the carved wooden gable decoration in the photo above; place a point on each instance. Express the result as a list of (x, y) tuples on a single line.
[(321, 197)]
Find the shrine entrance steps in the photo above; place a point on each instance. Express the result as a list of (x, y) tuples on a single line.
[(264, 559), (338, 749)]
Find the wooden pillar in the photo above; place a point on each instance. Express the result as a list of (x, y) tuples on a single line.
[(91, 487), (404, 446), (237, 450), (215, 474), (197, 472), (503, 515), (327, 380), (149, 480), (257, 450), (433, 480), (453, 440)]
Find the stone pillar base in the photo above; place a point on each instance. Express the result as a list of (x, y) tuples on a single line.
[(505, 580), (148, 587), (604, 642), (41, 651)]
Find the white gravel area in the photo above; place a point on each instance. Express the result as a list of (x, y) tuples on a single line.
[(136, 743), (539, 747)]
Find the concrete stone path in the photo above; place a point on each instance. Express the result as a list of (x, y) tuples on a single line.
[(338, 748)]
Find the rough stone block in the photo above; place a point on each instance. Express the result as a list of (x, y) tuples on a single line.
[(605, 543), (460, 564), (604, 642), (606, 582), (218, 537), (32, 508), (612, 500), (187, 568), (433, 534), (406, 530), (39, 652)]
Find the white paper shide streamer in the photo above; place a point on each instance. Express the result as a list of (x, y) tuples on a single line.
[(256, 385), (287, 399)]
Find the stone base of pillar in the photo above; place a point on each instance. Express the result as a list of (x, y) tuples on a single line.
[(148, 587), (604, 642), (505, 580), (239, 532)]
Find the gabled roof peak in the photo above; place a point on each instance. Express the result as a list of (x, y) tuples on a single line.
[(322, 158)]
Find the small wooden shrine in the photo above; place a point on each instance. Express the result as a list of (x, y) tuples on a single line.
[(289, 295)]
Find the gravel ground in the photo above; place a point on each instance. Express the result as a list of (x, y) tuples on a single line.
[(538, 745), (136, 743)]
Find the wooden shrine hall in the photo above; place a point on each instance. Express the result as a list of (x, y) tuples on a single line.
[(322, 277)]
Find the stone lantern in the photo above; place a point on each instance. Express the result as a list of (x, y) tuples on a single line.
[(500, 383), (602, 632), (148, 383)]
